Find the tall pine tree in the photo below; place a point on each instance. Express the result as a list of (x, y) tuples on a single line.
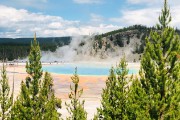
[(36, 100), (114, 97), (5, 97), (49, 103), (137, 102), (160, 70), (33, 81), (76, 108), (28, 101)]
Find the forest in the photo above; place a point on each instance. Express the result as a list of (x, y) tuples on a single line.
[(19, 48), (154, 95)]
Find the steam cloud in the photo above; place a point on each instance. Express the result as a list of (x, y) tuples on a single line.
[(81, 49)]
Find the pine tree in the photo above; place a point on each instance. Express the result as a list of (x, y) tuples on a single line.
[(34, 70), (160, 70), (12, 99), (28, 101), (5, 97), (76, 107), (108, 102), (114, 97), (137, 102), (36, 100), (22, 107), (48, 100)]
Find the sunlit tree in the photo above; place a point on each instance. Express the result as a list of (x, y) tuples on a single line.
[(36, 94), (76, 106), (5, 96), (114, 103), (160, 70)]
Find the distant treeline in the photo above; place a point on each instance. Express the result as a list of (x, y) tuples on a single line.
[(139, 28), (11, 49)]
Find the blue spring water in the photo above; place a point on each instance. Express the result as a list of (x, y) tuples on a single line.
[(82, 69)]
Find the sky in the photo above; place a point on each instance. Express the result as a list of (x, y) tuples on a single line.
[(56, 18)]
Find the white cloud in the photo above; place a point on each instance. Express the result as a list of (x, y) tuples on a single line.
[(147, 16), (87, 1), (22, 23), (143, 16), (82, 30), (55, 25)]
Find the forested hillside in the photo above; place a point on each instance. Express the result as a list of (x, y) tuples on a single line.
[(123, 37), (19, 48)]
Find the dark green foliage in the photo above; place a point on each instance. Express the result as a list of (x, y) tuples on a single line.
[(141, 49), (100, 43), (120, 41), (128, 39), (76, 107), (137, 102), (114, 104), (5, 97), (11, 52), (111, 38), (107, 102), (108, 46), (23, 105), (36, 100), (160, 70), (139, 28), (34, 69), (138, 35), (48, 101), (28, 104), (143, 38), (20, 47)]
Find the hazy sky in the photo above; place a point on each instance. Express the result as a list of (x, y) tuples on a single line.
[(21, 18)]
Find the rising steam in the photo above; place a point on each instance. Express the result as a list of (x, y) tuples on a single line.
[(82, 48)]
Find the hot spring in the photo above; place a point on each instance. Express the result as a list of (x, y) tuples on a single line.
[(82, 69)]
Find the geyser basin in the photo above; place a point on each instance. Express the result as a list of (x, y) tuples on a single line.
[(82, 69)]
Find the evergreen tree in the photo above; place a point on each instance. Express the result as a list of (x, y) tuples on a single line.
[(5, 97), (137, 102), (160, 70), (108, 102), (34, 70), (115, 94), (76, 107), (12, 99), (28, 102), (36, 100), (22, 107), (48, 100)]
